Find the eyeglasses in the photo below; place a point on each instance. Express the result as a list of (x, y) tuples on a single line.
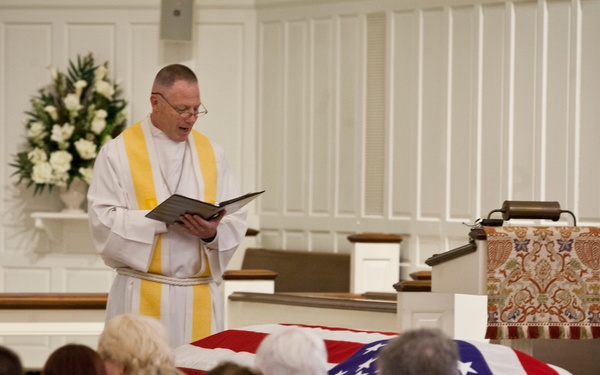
[(185, 114)]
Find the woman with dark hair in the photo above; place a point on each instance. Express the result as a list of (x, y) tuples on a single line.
[(10, 363), (74, 359), (230, 368)]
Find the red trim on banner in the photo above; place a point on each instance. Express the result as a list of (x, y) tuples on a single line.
[(533, 332), (575, 333), (491, 333)]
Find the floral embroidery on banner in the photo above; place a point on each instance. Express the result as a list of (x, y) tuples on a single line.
[(543, 282)]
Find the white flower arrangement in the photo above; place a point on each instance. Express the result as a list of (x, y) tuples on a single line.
[(70, 120)]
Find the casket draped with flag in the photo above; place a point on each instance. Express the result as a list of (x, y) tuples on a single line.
[(350, 352)]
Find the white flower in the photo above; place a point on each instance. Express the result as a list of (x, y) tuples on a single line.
[(60, 178), (37, 156), (98, 125), (100, 73), (100, 114), (51, 111), (60, 134), (61, 161), (105, 89), (86, 174), (42, 173), (86, 149), (36, 130), (79, 86), (72, 118), (72, 102)]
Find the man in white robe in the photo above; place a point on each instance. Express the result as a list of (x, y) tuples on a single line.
[(170, 272)]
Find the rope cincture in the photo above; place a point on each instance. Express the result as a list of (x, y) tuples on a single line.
[(185, 281)]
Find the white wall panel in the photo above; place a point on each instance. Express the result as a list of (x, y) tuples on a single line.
[(347, 110), (78, 37), (433, 114), (427, 245), (341, 244), (296, 116), (270, 121), (143, 64), (26, 52), (461, 140), (320, 241), (87, 280), (295, 240), (492, 177), (271, 239), (481, 106), (589, 152), (320, 117), (220, 68), (375, 130), (557, 126), (404, 62), (523, 124), (27, 279)]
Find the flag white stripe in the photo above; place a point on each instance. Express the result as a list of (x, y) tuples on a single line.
[(193, 357), (189, 356), (501, 359)]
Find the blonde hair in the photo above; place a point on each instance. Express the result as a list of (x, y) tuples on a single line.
[(139, 344)]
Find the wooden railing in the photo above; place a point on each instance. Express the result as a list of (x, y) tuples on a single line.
[(53, 301)]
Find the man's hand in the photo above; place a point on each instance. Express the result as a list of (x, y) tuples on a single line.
[(197, 226)]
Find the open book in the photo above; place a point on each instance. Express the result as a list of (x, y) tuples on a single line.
[(176, 205)]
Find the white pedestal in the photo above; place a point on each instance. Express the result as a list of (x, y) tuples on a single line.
[(461, 316), (375, 267)]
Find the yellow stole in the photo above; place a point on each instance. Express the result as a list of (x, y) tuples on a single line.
[(143, 182)]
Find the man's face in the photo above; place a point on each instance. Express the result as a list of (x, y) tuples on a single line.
[(175, 110)]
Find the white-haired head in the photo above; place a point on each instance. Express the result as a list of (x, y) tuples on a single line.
[(292, 351)]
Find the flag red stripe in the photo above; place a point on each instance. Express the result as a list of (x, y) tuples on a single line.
[(533, 365), (189, 371)]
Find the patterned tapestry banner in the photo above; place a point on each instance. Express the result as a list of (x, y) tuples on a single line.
[(543, 282)]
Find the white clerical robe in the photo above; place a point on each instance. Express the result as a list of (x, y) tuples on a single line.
[(127, 240)]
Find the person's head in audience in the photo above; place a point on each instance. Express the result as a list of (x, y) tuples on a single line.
[(419, 351), (10, 363), (230, 368), (136, 345), (291, 351), (74, 359)]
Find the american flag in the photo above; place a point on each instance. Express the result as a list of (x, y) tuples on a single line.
[(350, 352)]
